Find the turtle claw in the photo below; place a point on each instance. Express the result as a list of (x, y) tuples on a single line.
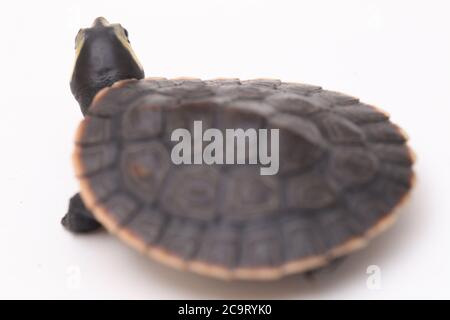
[(79, 219)]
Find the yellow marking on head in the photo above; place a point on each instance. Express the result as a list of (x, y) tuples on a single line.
[(79, 42), (120, 34)]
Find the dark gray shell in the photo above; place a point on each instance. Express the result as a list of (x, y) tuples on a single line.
[(344, 167)]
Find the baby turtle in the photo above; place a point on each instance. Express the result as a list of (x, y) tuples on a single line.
[(343, 167)]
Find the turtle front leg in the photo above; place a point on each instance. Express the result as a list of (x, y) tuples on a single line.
[(79, 219)]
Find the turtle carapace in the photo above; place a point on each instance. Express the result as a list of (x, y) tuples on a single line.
[(343, 167)]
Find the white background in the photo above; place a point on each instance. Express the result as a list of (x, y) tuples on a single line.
[(394, 54)]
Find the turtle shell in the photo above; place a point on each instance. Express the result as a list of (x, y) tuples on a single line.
[(343, 169)]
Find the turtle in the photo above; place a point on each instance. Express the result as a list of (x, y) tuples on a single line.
[(344, 167)]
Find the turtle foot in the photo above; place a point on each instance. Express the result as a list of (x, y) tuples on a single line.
[(79, 219)]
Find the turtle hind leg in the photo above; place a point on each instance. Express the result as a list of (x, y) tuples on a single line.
[(79, 219)]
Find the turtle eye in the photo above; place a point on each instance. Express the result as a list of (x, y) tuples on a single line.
[(126, 34)]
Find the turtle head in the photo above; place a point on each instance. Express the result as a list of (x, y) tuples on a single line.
[(103, 55)]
